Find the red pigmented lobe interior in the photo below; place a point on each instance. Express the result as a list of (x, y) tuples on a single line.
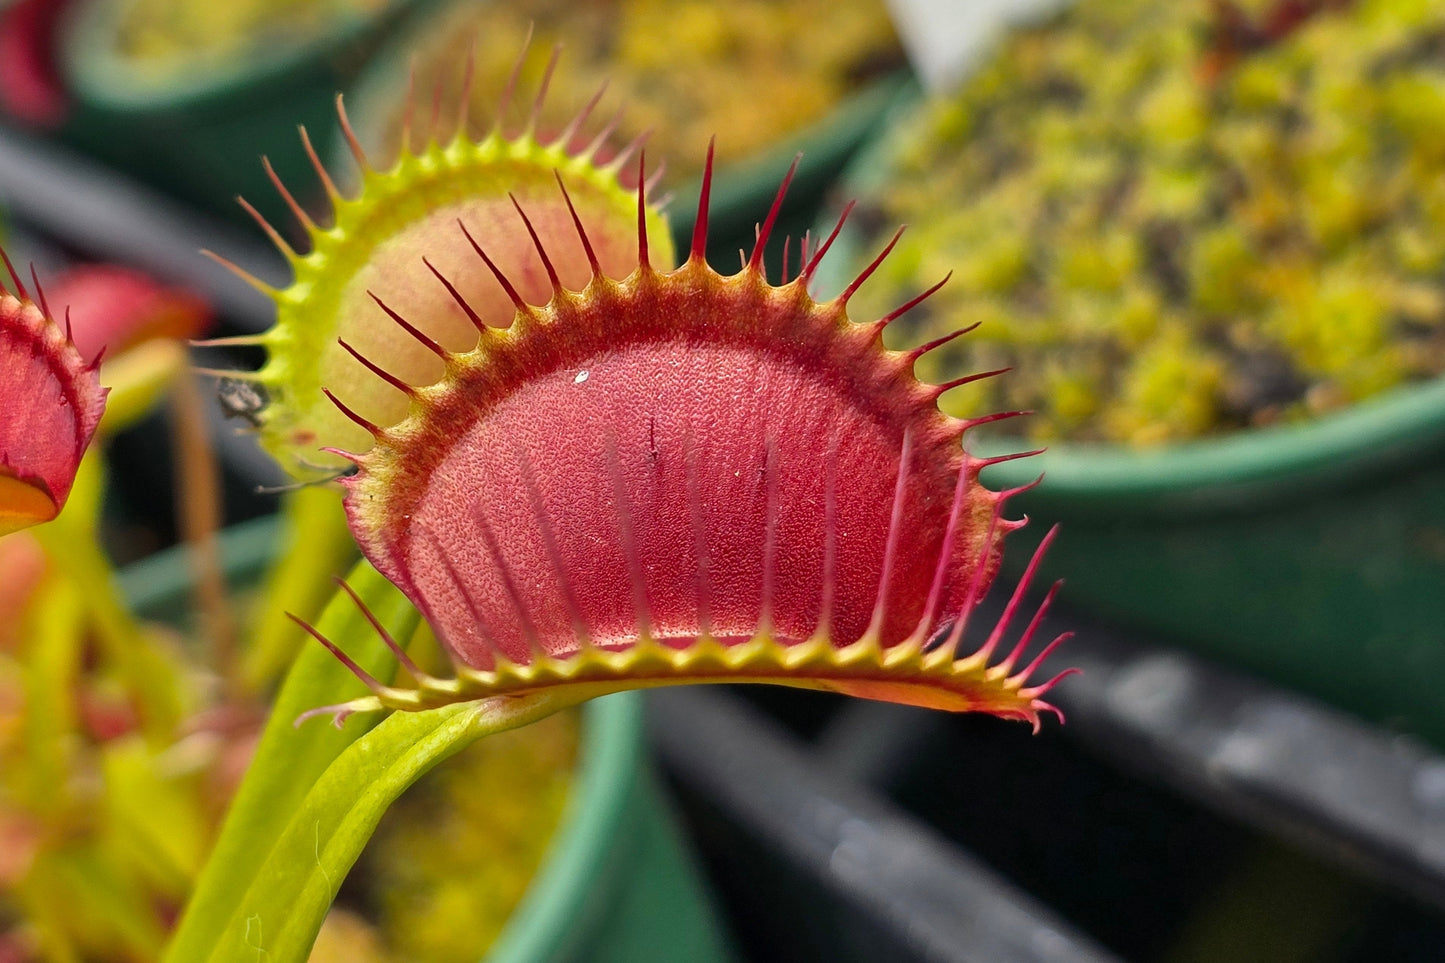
[(719, 477), (51, 405)]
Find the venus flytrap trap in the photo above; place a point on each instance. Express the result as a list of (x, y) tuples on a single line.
[(681, 477), (53, 406)]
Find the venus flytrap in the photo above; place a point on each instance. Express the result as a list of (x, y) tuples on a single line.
[(601, 624), (683, 477), (590, 468)]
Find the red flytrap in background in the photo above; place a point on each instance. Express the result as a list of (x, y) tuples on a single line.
[(50, 404), (112, 309), (30, 89)]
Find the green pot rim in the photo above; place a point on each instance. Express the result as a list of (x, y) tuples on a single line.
[(106, 81), (588, 843), (589, 839), (1371, 441), (741, 191)]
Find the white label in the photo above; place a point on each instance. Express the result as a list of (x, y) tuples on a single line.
[(944, 39)]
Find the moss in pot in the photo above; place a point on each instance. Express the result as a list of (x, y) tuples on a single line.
[(453, 858), (185, 95), (164, 37), (1183, 242)]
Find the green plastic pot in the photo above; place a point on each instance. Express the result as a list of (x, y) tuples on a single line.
[(618, 884), (200, 134), (1312, 555), (741, 192)]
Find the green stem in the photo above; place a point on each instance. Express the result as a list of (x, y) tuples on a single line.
[(289, 760), (147, 674), (199, 517), (70, 541), (281, 913), (51, 717), (318, 545)]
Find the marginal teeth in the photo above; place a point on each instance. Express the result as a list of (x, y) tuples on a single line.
[(904, 674)]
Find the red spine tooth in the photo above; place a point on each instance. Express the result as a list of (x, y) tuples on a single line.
[(1028, 635), (382, 373), (537, 243), (587, 248), (642, 255), (376, 431), (535, 115), (600, 140), (14, 277), (756, 261), (579, 119), (522, 306), (828, 242), (297, 211), (280, 243), (509, 89), (969, 379), (910, 304), (411, 329), (867, 272), (456, 297), (327, 184), (349, 134), (242, 273)]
